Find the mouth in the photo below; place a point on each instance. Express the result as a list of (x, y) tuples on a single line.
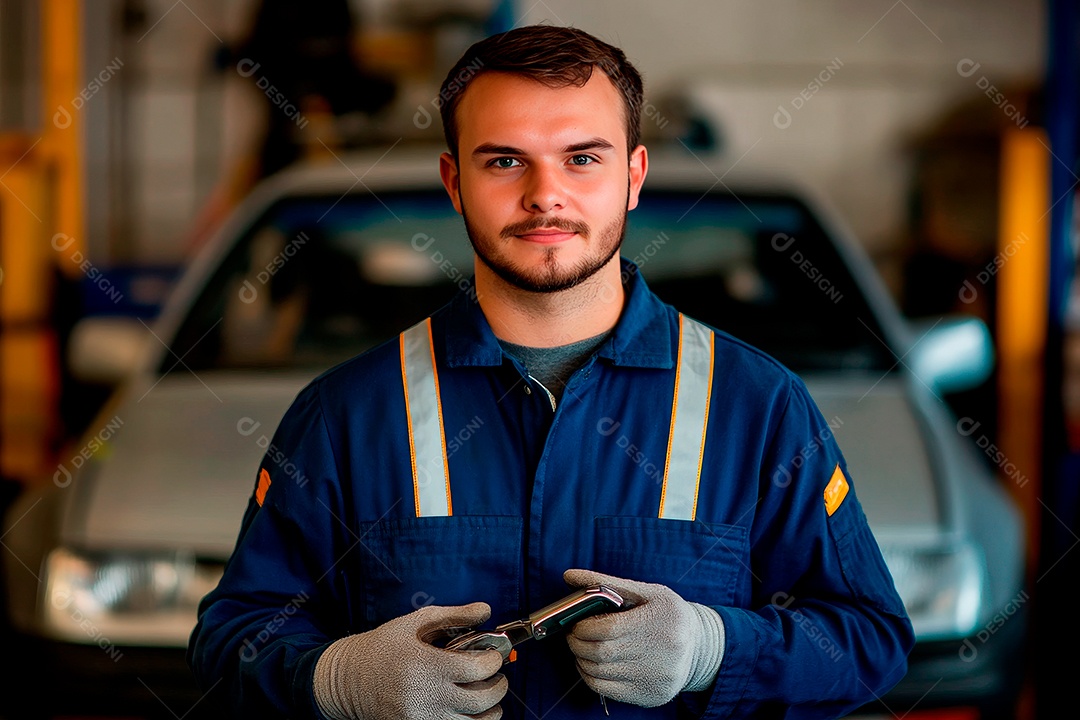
[(547, 235)]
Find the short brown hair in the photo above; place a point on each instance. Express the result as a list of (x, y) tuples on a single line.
[(551, 55)]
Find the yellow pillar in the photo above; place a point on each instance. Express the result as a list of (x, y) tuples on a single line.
[(28, 389), (41, 195), (1023, 259)]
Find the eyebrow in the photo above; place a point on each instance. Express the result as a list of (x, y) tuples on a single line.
[(596, 143)]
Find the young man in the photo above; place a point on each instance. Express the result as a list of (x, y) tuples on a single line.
[(735, 568)]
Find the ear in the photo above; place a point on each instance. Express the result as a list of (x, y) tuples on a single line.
[(451, 179), (639, 168)]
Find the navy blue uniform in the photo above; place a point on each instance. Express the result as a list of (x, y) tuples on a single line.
[(331, 543)]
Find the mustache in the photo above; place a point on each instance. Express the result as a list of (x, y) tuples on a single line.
[(536, 223)]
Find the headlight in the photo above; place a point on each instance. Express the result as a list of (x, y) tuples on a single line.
[(113, 599), (942, 588)]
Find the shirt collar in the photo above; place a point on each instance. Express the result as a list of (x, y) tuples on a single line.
[(640, 338)]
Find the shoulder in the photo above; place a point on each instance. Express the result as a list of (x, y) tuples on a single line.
[(371, 366)]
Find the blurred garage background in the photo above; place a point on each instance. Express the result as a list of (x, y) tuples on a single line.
[(943, 134)]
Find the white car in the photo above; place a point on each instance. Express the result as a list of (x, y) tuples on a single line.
[(106, 563)]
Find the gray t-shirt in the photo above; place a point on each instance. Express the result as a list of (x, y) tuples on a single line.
[(553, 366)]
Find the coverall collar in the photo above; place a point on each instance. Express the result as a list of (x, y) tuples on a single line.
[(641, 337)]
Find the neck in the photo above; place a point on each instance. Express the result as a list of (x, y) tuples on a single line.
[(551, 319)]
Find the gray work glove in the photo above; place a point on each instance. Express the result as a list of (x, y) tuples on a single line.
[(392, 672), (649, 653)]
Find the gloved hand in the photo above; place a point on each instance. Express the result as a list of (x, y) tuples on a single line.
[(649, 653), (392, 672)]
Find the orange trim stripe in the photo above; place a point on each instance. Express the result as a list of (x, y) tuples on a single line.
[(408, 418), (442, 430), (671, 430)]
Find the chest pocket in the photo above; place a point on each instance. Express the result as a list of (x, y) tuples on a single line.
[(410, 563), (703, 562)]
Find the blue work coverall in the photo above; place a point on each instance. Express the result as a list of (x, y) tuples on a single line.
[(331, 543)]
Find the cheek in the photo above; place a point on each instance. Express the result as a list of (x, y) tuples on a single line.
[(489, 200), (485, 212), (611, 200)]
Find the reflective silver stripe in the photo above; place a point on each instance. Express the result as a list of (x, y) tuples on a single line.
[(689, 420), (427, 442)]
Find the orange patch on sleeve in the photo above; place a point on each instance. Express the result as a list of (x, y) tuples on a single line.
[(264, 485), (836, 490)]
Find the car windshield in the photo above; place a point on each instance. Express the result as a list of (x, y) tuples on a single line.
[(317, 279)]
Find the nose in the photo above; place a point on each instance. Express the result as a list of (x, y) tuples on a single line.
[(544, 191)]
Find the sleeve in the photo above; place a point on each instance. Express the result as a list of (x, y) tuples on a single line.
[(280, 602), (826, 631)]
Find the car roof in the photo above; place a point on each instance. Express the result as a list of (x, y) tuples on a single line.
[(415, 166), (672, 166)]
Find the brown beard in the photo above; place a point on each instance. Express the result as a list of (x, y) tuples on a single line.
[(549, 279)]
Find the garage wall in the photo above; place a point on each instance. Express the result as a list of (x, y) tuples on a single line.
[(858, 82), (176, 130)]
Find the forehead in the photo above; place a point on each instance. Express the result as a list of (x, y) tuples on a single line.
[(515, 110)]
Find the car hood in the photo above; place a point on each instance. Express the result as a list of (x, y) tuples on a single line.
[(180, 469), (884, 442)]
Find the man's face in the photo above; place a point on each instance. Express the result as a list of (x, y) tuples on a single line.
[(543, 180)]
